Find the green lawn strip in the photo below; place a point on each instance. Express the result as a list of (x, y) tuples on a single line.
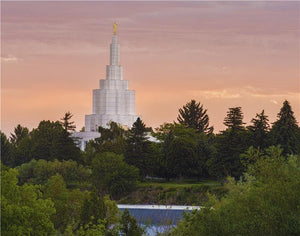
[(177, 184)]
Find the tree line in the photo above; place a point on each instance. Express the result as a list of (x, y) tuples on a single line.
[(187, 148), (46, 165)]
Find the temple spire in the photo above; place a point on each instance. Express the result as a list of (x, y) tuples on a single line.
[(115, 28), (114, 69), (114, 48)]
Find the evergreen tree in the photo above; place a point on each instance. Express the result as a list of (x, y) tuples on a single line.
[(7, 148), (234, 119), (285, 130), (259, 130), (19, 133), (66, 123), (138, 147), (192, 115), (230, 144)]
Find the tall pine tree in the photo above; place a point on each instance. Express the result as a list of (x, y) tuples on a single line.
[(234, 119), (20, 132), (230, 144), (138, 147), (66, 123), (285, 131), (192, 115), (259, 130)]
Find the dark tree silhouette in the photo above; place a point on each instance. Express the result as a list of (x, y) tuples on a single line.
[(66, 123), (259, 130), (20, 132), (138, 147), (285, 130), (234, 119), (192, 115)]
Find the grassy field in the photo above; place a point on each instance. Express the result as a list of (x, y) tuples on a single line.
[(184, 192), (180, 184)]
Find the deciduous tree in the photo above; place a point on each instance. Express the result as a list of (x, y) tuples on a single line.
[(23, 210), (265, 203), (111, 174)]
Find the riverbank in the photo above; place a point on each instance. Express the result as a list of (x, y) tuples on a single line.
[(188, 192)]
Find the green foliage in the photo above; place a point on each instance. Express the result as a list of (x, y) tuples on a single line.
[(177, 144), (91, 229), (49, 141), (111, 174), (112, 212), (266, 203), (99, 212), (19, 133), (23, 211), (39, 171), (251, 156), (93, 209), (7, 149), (67, 202), (229, 145), (112, 139), (185, 151), (180, 192), (138, 148), (192, 115), (129, 225), (285, 131), (181, 157)]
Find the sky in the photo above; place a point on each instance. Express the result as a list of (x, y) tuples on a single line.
[(222, 54)]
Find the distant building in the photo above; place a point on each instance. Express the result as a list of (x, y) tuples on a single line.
[(113, 101)]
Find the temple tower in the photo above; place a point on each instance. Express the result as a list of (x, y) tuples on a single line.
[(113, 101)]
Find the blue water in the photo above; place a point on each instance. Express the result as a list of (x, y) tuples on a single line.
[(156, 220)]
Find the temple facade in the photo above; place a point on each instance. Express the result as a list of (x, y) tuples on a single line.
[(112, 101)]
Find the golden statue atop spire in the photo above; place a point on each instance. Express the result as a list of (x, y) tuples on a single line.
[(115, 28)]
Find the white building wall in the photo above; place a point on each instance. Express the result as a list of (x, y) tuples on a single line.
[(113, 101)]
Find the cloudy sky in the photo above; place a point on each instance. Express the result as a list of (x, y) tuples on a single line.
[(223, 54)]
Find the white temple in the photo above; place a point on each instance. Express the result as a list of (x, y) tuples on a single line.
[(113, 101)]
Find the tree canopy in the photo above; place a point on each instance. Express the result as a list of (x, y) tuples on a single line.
[(266, 203), (111, 174), (23, 210)]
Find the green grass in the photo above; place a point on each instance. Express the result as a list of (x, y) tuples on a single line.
[(175, 192), (179, 184)]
